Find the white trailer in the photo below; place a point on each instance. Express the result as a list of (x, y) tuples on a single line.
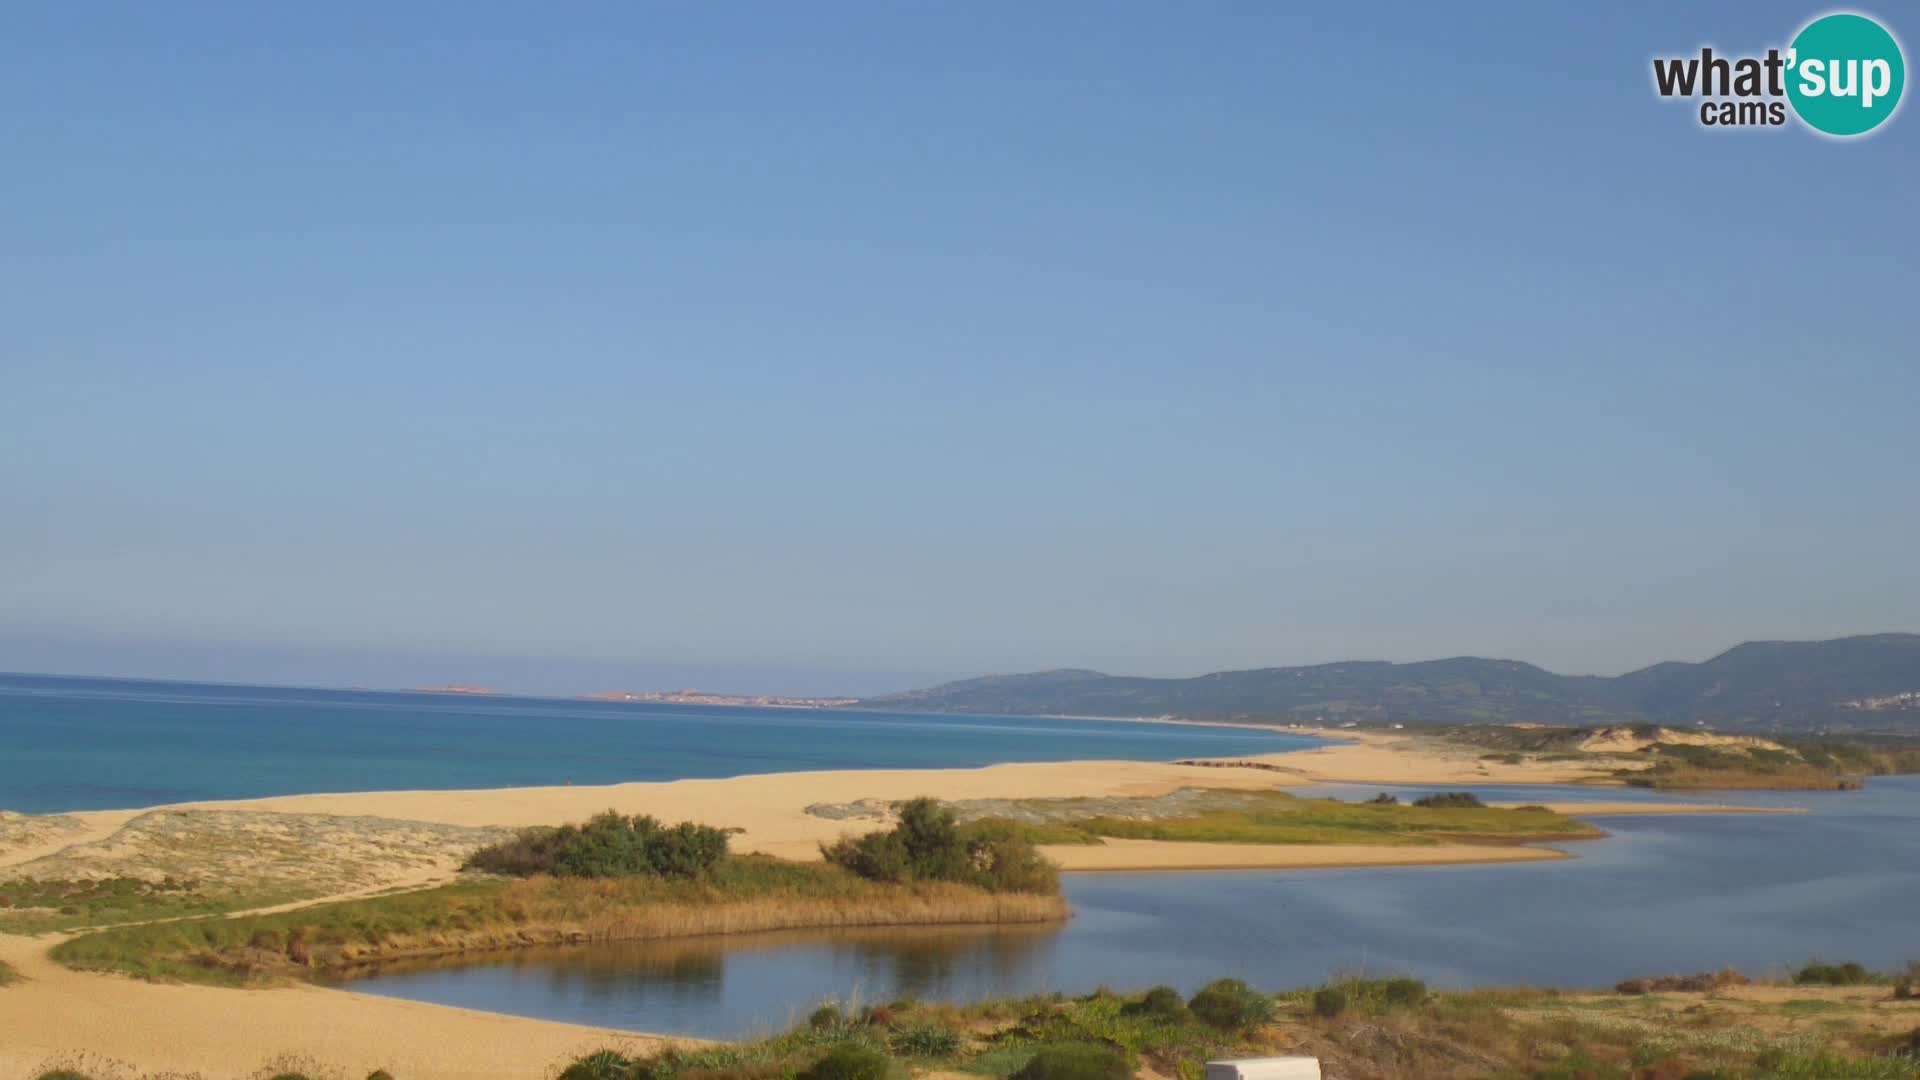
[(1269, 1068)]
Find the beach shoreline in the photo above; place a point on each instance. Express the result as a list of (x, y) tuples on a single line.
[(222, 1032)]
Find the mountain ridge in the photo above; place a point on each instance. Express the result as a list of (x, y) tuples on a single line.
[(1864, 683)]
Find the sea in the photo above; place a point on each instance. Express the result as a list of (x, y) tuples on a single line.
[(103, 744)]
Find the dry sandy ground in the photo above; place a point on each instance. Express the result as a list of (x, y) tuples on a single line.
[(770, 810), (229, 1033), (224, 1034)]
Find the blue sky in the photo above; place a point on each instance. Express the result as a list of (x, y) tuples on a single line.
[(846, 346)]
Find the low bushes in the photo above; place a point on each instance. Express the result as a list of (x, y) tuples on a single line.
[(849, 1061), (1230, 1005), (609, 845), (1369, 996), (925, 1040), (1451, 800), (1704, 982), (1084, 1061), (1819, 974), (1161, 1003), (930, 845)]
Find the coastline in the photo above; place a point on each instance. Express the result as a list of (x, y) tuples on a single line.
[(228, 1032)]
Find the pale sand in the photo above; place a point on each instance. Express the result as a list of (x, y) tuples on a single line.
[(1401, 757), (229, 1033), (224, 1034)]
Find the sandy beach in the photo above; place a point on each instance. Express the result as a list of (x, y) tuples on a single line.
[(221, 1033)]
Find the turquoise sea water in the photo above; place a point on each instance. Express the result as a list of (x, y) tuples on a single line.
[(93, 744)]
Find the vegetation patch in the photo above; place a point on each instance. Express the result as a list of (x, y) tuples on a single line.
[(171, 863), (609, 845), (929, 844), (740, 894), (1385, 1029), (1847, 974), (1272, 817)]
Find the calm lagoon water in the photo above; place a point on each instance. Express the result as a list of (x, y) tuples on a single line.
[(97, 744), (1662, 894)]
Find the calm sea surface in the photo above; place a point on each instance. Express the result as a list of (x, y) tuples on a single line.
[(1661, 895), (95, 744)]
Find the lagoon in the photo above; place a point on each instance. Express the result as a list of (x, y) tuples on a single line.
[(1662, 894)]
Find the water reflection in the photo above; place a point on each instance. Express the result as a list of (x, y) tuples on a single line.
[(725, 986), (1662, 894)]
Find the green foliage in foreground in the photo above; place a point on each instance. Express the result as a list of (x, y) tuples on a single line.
[(609, 845), (1071, 1061), (1392, 1029), (1231, 1005), (929, 844), (1509, 1035), (849, 1061)]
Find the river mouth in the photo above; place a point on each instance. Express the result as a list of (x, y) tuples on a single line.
[(1660, 895)]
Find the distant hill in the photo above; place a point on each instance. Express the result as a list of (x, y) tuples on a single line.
[(1862, 684)]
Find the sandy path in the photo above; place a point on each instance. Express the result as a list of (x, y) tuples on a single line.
[(230, 1033)]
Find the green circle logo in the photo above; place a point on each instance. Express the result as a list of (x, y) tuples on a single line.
[(1845, 74)]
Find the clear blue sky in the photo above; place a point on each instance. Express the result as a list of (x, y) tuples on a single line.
[(844, 346)]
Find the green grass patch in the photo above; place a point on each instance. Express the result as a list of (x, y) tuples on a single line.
[(29, 906), (1279, 818), (8, 976)]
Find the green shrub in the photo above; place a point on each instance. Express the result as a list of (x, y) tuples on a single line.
[(1160, 1003), (599, 1065), (1451, 800), (1818, 974), (849, 1061), (1329, 1001), (929, 844), (1402, 992), (826, 1016), (379, 1074), (925, 1040), (1230, 1005), (1075, 1061), (609, 845), (63, 1074)]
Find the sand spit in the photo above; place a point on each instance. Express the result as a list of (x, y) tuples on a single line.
[(221, 1033)]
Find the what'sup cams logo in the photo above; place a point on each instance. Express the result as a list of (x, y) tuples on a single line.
[(1842, 76)]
